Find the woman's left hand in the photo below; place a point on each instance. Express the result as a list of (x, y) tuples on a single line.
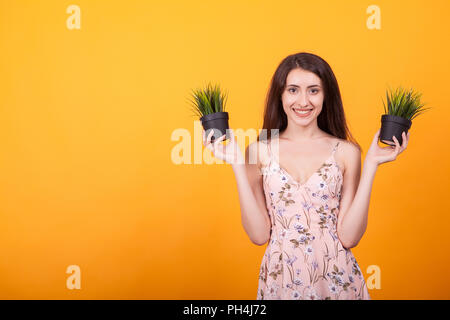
[(377, 155)]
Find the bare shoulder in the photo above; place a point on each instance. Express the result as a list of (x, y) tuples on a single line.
[(348, 145), (347, 154), (257, 153)]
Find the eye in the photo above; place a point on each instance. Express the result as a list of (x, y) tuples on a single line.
[(315, 90), (292, 89)]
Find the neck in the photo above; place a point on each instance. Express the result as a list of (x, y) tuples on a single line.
[(301, 133)]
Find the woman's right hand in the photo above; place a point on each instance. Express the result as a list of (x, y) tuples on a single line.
[(229, 153)]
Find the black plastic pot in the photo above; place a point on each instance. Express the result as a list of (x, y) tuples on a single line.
[(393, 126), (218, 122)]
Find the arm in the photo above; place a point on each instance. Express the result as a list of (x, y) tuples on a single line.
[(357, 188), (254, 216), (354, 208)]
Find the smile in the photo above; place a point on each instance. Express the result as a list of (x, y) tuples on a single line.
[(302, 112)]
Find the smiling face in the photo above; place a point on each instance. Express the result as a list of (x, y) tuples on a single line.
[(303, 91)]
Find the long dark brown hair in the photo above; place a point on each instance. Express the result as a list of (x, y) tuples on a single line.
[(332, 117)]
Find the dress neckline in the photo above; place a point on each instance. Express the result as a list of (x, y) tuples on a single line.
[(289, 176)]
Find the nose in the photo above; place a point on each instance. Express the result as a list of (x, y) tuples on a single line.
[(303, 100)]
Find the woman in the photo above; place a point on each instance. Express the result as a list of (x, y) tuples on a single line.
[(305, 195)]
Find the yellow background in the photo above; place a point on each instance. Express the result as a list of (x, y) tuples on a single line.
[(86, 118)]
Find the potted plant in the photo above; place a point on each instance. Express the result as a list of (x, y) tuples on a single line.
[(402, 107), (209, 105)]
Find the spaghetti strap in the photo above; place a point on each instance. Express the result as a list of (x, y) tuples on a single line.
[(335, 147), (269, 149)]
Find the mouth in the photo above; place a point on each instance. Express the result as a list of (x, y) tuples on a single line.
[(302, 112)]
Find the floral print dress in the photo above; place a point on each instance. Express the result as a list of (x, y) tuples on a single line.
[(304, 258)]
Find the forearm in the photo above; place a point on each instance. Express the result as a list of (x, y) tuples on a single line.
[(254, 219), (354, 222)]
